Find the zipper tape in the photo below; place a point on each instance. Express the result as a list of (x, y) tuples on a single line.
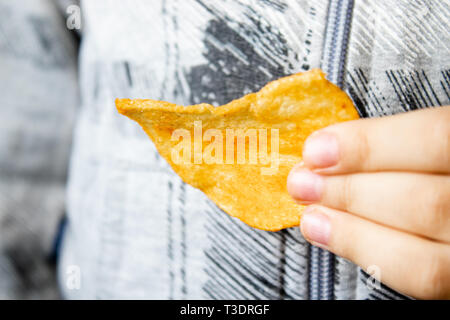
[(322, 262)]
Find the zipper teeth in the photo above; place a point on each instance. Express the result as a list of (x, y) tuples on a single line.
[(326, 284), (321, 268), (314, 272)]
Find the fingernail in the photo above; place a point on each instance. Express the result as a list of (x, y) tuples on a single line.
[(304, 185), (315, 226), (321, 150)]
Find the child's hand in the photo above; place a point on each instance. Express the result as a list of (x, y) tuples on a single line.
[(381, 195)]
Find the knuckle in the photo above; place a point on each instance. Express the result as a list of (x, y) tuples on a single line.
[(435, 277), (436, 207), (441, 132), (364, 151), (348, 193)]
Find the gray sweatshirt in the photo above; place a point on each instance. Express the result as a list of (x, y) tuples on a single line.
[(134, 229)]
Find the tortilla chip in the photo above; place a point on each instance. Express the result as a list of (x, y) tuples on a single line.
[(291, 107)]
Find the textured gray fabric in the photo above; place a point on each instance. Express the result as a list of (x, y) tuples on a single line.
[(135, 230), (38, 97), (151, 236)]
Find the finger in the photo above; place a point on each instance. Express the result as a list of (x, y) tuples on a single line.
[(416, 203), (413, 141), (408, 264)]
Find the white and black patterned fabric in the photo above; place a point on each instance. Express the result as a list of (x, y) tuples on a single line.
[(152, 236), (134, 229), (38, 101)]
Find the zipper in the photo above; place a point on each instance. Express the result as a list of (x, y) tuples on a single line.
[(322, 262)]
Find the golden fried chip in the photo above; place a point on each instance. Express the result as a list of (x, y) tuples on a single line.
[(240, 154)]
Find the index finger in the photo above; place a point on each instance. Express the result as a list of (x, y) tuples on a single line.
[(413, 141)]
